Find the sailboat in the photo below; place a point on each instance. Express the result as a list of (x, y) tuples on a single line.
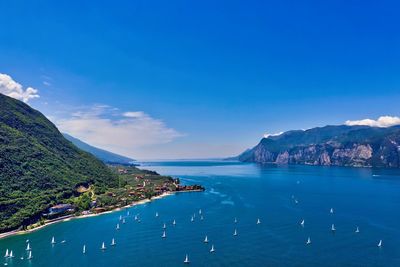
[(113, 242), (331, 211), (206, 240), (235, 221), (103, 246), (357, 230), (174, 222), (164, 235), (200, 211), (302, 223), (136, 217), (28, 247), (30, 255), (11, 254), (156, 214), (296, 201), (84, 249), (235, 233), (258, 221), (201, 218), (164, 226), (6, 256), (123, 220), (192, 219), (212, 249), (127, 213), (186, 259), (333, 228), (308, 241), (117, 228), (120, 217), (53, 241), (380, 243)]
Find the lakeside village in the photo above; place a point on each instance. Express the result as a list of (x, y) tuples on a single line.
[(135, 185)]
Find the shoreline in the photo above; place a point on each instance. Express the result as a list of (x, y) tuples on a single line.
[(73, 217)]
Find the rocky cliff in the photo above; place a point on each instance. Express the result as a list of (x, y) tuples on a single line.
[(359, 146)]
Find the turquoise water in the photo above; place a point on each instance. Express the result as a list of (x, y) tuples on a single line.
[(366, 198)]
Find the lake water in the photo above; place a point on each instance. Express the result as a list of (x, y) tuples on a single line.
[(366, 198)]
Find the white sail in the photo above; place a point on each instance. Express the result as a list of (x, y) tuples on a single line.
[(302, 222), (6, 255), (331, 211), (164, 226), (156, 214), (258, 221), (206, 240), (186, 259), (333, 228), (123, 220), (120, 217), (235, 233), (30, 255), (357, 230), (235, 221), (200, 211), (201, 218), (212, 248), (113, 242), (380, 243), (103, 246), (53, 241), (164, 235), (28, 247), (174, 222), (117, 226), (308, 241), (84, 249), (11, 254), (192, 219)]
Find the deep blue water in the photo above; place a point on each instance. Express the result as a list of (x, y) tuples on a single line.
[(366, 198)]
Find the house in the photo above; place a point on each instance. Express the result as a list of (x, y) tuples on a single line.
[(60, 208)]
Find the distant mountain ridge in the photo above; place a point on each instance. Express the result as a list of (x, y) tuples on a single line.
[(103, 155), (357, 146)]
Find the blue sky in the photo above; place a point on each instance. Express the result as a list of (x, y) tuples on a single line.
[(205, 78)]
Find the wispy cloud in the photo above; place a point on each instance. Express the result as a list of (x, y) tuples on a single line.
[(266, 135), (383, 121), (120, 132), (13, 89)]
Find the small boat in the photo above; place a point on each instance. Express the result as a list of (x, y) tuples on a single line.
[(117, 228), (6, 255), (235, 233), (331, 211), (302, 223), (156, 214), (113, 242), (380, 243), (333, 229), (62, 242), (103, 246), (174, 222), (123, 221), (357, 230), (164, 235), (84, 249), (308, 241), (53, 241), (206, 240), (235, 220), (258, 221), (192, 219), (120, 217), (164, 226), (30, 255), (11, 254), (212, 249), (186, 259), (22, 258), (296, 201), (127, 213), (136, 217), (200, 211), (28, 247)]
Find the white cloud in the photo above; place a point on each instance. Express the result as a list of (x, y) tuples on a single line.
[(383, 121), (266, 135), (13, 89), (108, 128)]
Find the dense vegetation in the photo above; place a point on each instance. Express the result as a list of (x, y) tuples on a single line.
[(39, 167)]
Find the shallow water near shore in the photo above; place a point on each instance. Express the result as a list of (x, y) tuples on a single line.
[(366, 198)]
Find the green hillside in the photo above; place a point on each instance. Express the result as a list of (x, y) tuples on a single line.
[(38, 166)]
